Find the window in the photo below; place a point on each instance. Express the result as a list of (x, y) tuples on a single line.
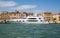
[(13, 17), (39, 18), (47, 17), (14, 14), (54, 19), (59, 18), (23, 20), (31, 18), (19, 20)]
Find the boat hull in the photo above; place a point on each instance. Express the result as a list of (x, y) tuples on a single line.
[(28, 22)]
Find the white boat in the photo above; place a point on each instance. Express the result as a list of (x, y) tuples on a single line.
[(30, 20)]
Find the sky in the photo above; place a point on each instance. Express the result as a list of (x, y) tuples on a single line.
[(35, 6)]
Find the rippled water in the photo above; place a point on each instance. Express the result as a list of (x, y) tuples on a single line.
[(29, 31)]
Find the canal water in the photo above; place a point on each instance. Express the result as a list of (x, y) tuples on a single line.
[(29, 30)]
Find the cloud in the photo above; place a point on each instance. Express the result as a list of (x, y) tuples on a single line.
[(22, 7), (7, 3)]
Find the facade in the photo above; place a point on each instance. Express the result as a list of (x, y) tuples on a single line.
[(14, 15), (0, 16), (48, 16), (39, 14), (5, 15), (24, 14), (30, 14), (56, 18)]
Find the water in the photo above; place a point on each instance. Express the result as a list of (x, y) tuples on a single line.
[(29, 31)]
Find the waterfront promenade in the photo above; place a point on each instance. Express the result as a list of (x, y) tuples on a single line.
[(48, 16)]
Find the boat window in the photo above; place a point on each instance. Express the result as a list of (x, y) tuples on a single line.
[(17, 20), (39, 18), (20, 21), (23, 20), (31, 18)]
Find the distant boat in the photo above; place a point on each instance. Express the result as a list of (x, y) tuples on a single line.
[(30, 20)]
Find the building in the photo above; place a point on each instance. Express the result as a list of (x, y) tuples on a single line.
[(39, 14), (48, 16), (0, 15), (56, 18), (24, 14), (0, 18), (30, 14), (5, 15), (15, 15)]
